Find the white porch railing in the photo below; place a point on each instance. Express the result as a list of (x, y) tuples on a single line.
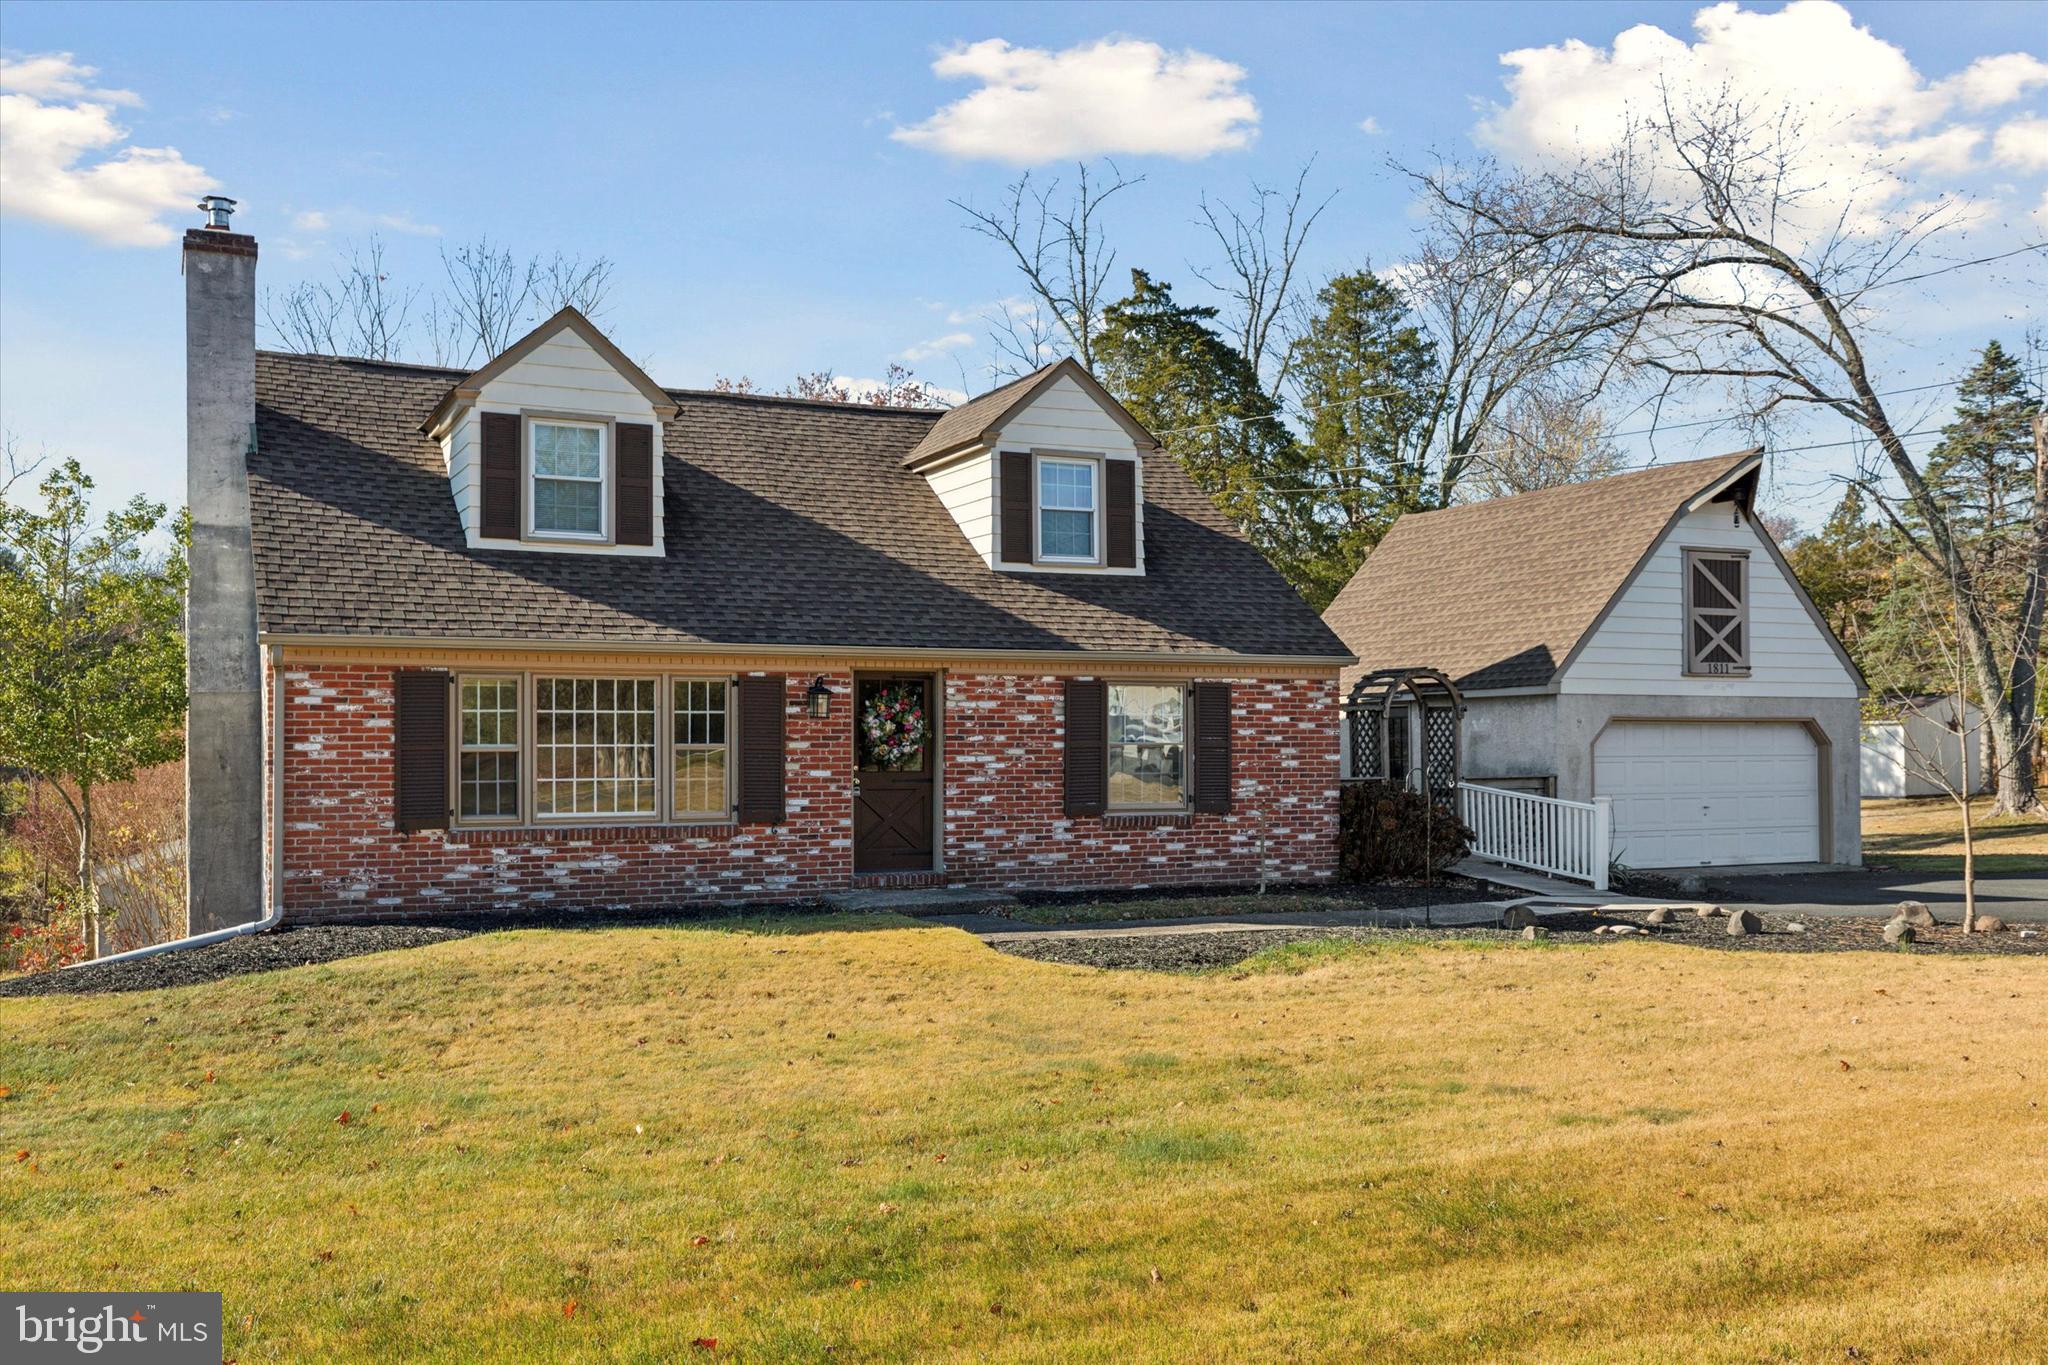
[(1558, 838)]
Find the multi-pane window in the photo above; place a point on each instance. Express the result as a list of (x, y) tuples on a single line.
[(489, 764), (697, 737), (1066, 509), (593, 746), (1147, 756), (568, 479)]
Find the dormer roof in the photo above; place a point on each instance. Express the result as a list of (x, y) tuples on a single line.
[(466, 389), (979, 420)]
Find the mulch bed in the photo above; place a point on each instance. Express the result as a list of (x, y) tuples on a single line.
[(1204, 951), (232, 957)]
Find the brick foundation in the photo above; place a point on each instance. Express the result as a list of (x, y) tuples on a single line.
[(1003, 824)]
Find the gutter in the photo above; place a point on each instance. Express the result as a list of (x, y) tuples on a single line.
[(274, 910)]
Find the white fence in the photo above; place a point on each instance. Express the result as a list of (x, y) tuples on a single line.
[(1558, 838)]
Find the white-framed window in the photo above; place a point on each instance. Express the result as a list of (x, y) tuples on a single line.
[(487, 762), (1069, 520), (568, 462), (1147, 766), (594, 748), (699, 781)]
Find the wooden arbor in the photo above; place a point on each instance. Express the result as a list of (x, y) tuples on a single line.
[(1406, 725)]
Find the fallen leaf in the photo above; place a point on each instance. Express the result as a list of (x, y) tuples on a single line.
[(705, 1343), (569, 1309), (1847, 1067), (856, 1284), (699, 1241), (21, 1155), (1156, 1276), (342, 1119), (209, 1078)]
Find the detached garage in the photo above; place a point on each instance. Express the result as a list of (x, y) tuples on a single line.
[(1638, 638)]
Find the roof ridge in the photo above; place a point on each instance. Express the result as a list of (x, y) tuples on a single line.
[(1583, 485), (415, 365), (835, 404)]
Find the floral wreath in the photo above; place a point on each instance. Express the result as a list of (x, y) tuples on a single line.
[(893, 723)]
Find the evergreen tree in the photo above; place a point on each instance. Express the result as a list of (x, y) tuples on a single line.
[(1983, 470), (1364, 376), (1847, 569), (1167, 363)]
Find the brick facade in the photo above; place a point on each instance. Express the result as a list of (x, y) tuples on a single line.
[(1003, 823)]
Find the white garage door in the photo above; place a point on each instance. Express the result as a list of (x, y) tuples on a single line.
[(1710, 795)]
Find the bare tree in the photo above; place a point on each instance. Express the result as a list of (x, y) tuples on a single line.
[(572, 282), (1542, 438), (15, 466), (899, 388), (488, 300), (361, 313), (1058, 244), (1705, 243), (1261, 248)]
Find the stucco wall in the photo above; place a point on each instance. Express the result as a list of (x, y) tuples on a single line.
[(1510, 737), (1580, 719)]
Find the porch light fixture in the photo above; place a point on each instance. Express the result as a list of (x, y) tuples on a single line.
[(818, 700)]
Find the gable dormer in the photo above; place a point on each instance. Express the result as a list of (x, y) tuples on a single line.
[(1043, 475), (556, 446)]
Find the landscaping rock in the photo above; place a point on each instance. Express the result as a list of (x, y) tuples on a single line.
[(1898, 931), (1795, 928), (1990, 924), (1661, 915), (1533, 932), (1710, 911), (1743, 922), (1916, 914)]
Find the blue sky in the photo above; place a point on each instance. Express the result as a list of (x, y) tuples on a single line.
[(747, 170)]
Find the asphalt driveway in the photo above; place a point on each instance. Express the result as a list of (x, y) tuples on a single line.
[(2014, 896)]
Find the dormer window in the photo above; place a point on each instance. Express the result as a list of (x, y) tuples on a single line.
[(568, 478), (1067, 505)]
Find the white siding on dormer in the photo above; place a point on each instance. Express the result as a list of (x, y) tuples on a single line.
[(561, 377), (1639, 648), (968, 489), (1066, 417), (458, 448)]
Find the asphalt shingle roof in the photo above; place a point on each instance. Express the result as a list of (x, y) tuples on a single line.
[(1496, 594), (787, 523)]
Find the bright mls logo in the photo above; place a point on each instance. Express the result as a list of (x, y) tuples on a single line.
[(163, 1329)]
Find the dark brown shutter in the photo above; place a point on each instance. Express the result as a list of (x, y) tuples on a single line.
[(1212, 747), (633, 494), (1121, 476), (1087, 746), (420, 767), (762, 703), (501, 476), (1016, 528)]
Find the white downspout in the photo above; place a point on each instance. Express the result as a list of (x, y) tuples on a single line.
[(274, 903)]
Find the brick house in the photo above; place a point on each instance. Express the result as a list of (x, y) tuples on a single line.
[(548, 634)]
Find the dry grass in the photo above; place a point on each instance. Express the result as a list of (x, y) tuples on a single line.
[(1926, 835), (873, 1143)]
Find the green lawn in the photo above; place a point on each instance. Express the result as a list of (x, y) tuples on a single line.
[(871, 1140), (1926, 835)]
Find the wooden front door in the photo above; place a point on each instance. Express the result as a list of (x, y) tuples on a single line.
[(895, 753)]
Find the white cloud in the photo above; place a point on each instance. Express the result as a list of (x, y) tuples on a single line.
[(1950, 150), (62, 161), (1115, 95), (1991, 81), (58, 76), (311, 220), (1870, 119), (925, 350), (1371, 125), (2040, 213), (2023, 143), (349, 219)]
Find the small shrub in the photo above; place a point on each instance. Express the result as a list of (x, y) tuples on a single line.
[(1388, 831)]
